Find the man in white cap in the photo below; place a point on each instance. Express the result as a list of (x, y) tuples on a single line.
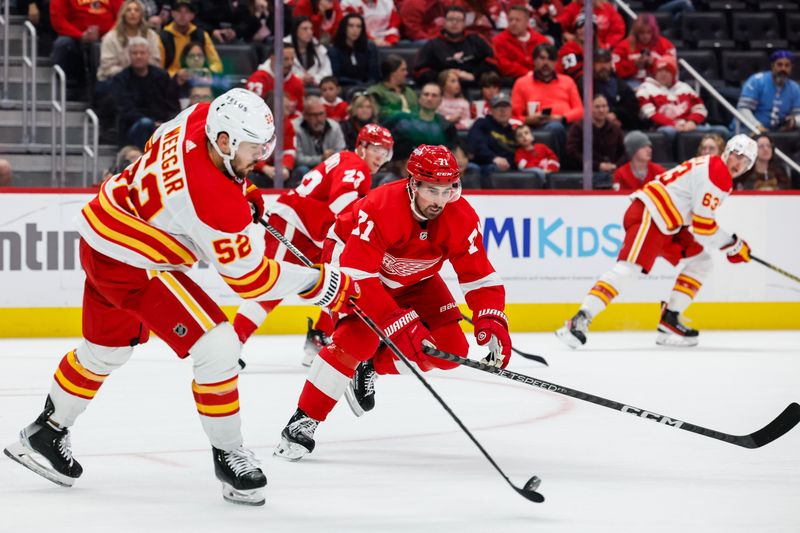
[(672, 217)]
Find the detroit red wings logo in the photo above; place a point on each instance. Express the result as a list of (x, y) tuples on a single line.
[(402, 266)]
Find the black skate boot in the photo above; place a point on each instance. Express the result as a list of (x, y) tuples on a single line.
[(45, 449), (315, 340), (242, 479), (673, 332), (297, 438), (573, 332), (360, 392)]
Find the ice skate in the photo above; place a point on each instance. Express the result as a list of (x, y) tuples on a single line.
[(573, 332), (242, 479), (360, 392), (672, 332), (45, 449), (297, 438), (315, 340)]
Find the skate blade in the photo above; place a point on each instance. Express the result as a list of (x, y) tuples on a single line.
[(566, 336), (670, 339), (35, 462), (243, 497), (352, 401), (289, 451)]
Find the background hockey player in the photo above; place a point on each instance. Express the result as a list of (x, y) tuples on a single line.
[(396, 239), (305, 214), (183, 200), (672, 217)]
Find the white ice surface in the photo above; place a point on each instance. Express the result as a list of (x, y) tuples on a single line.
[(407, 467)]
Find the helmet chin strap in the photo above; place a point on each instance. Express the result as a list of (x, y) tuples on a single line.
[(226, 161), (412, 195)]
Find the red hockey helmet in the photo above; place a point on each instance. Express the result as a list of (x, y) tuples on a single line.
[(377, 135), (433, 164)]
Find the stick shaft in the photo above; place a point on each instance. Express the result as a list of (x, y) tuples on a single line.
[(776, 269)]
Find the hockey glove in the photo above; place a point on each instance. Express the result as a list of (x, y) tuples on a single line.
[(256, 199), (335, 290), (738, 251), (408, 333), (491, 329)]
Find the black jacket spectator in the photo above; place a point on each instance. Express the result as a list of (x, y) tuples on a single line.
[(488, 139), (622, 102), (354, 60), (153, 96)]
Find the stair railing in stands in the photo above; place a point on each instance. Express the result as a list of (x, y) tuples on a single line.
[(58, 127), (90, 150)]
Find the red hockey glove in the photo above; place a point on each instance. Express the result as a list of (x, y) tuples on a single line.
[(491, 328), (738, 251), (335, 290), (408, 333), (256, 199)]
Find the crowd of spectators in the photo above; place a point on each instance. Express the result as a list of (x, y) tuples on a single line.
[(498, 82)]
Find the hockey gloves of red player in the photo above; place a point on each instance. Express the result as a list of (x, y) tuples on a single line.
[(335, 290), (738, 251), (256, 199), (491, 329), (408, 333)]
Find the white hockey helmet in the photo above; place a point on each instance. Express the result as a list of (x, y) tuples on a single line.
[(245, 117), (742, 145)]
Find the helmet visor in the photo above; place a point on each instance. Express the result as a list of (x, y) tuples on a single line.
[(439, 193), (250, 151)]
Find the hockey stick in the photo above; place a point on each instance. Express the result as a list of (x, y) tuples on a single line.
[(775, 429), (529, 490), (532, 357), (776, 269)]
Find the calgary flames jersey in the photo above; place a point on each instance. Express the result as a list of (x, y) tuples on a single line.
[(689, 195), (384, 241), (173, 207), (323, 193)]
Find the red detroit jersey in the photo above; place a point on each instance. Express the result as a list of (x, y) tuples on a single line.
[(384, 240)]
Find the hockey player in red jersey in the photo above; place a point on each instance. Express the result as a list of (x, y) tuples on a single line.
[(305, 214), (672, 217), (182, 201), (394, 243)]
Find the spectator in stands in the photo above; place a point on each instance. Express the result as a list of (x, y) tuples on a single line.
[(545, 18), (514, 46), (608, 147), (671, 105), (771, 100), (489, 84), (325, 16), (225, 20), (335, 107), (311, 62), (392, 94), (768, 173), (79, 25), (125, 156), (264, 171), (610, 25), (6, 173), (570, 55), (317, 137), (145, 96), (354, 58), (113, 46), (194, 71), (676, 8), (454, 107), (38, 13), (485, 17), (381, 18), (491, 140), (360, 112), (621, 98), (257, 28), (200, 93), (635, 56), (180, 32), (533, 157), (711, 144), (421, 20), (157, 13), (640, 168), (546, 99), (262, 81), (469, 55), (423, 127)]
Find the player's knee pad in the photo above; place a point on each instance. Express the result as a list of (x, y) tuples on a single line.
[(216, 354), (102, 359), (626, 269), (699, 266)]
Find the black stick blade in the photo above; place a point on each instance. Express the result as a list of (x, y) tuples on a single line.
[(532, 357), (785, 421), (529, 490)]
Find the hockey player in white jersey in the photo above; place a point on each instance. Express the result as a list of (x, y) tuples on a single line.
[(185, 199), (672, 217)]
